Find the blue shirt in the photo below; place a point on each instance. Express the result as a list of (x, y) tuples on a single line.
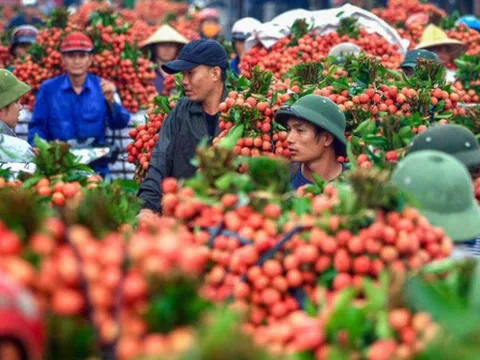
[(62, 114), (234, 65), (298, 180)]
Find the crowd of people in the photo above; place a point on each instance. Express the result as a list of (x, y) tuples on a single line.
[(78, 105)]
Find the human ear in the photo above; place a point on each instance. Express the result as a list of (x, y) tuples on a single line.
[(328, 139)]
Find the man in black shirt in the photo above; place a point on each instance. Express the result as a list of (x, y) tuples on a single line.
[(204, 64)]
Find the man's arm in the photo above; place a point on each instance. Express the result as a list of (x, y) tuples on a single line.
[(117, 116), (161, 163), (38, 124)]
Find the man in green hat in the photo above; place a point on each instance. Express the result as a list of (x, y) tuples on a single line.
[(441, 184), (411, 58), (316, 138), (455, 140), (12, 149)]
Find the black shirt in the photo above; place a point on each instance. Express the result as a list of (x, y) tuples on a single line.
[(211, 124)]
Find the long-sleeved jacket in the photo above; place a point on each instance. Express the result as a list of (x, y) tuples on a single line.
[(62, 114), (181, 132)]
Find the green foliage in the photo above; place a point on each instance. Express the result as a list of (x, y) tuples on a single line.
[(468, 71), (55, 158), (221, 338), (174, 303), (453, 300), (58, 18), (299, 29), (104, 209), (69, 338), (349, 27), (309, 73), (21, 212)]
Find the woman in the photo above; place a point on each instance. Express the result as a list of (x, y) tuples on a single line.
[(164, 46), (12, 149), (447, 49)]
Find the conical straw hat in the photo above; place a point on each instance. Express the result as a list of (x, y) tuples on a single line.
[(434, 36), (165, 34)]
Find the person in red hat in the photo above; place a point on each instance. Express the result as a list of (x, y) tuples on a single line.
[(21, 327), (77, 105)]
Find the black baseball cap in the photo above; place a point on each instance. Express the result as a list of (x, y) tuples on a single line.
[(198, 52)]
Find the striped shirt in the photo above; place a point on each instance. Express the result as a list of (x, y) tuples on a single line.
[(466, 249)]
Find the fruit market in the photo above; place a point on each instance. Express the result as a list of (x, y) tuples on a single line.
[(239, 180)]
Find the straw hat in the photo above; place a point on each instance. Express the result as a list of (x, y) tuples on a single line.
[(434, 36), (166, 34)]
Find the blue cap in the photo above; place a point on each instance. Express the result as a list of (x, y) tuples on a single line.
[(24, 34), (198, 52), (471, 21)]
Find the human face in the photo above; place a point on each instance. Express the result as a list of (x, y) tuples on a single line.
[(9, 114), (20, 50), (239, 47), (475, 172), (9, 351), (444, 54), (211, 27), (165, 52), (77, 62), (304, 144), (200, 81), (408, 71)]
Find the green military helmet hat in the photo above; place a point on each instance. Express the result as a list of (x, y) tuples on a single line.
[(11, 89), (443, 188), (320, 111), (455, 140), (412, 56)]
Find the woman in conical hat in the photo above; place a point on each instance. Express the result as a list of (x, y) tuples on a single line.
[(447, 49), (164, 46)]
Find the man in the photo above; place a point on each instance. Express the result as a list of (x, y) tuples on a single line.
[(28, 16), (443, 188), (316, 138), (22, 38), (204, 64), (447, 49), (454, 140), (77, 105), (12, 149), (411, 59), (241, 31)]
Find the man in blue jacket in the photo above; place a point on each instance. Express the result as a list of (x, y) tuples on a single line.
[(77, 105)]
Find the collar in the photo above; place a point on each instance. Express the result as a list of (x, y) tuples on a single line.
[(197, 107), (6, 130), (67, 85)]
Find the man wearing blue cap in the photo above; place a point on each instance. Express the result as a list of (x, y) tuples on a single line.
[(204, 64)]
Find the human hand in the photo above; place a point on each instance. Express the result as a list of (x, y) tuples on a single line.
[(108, 89)]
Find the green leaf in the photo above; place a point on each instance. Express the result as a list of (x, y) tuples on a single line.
[(225, 181), (382, 326), (474, 295), (301, 205)]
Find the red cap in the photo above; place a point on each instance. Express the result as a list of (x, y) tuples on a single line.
[(20, 318), (76, 41)]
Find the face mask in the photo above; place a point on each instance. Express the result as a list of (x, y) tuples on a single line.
[(211, 30)]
